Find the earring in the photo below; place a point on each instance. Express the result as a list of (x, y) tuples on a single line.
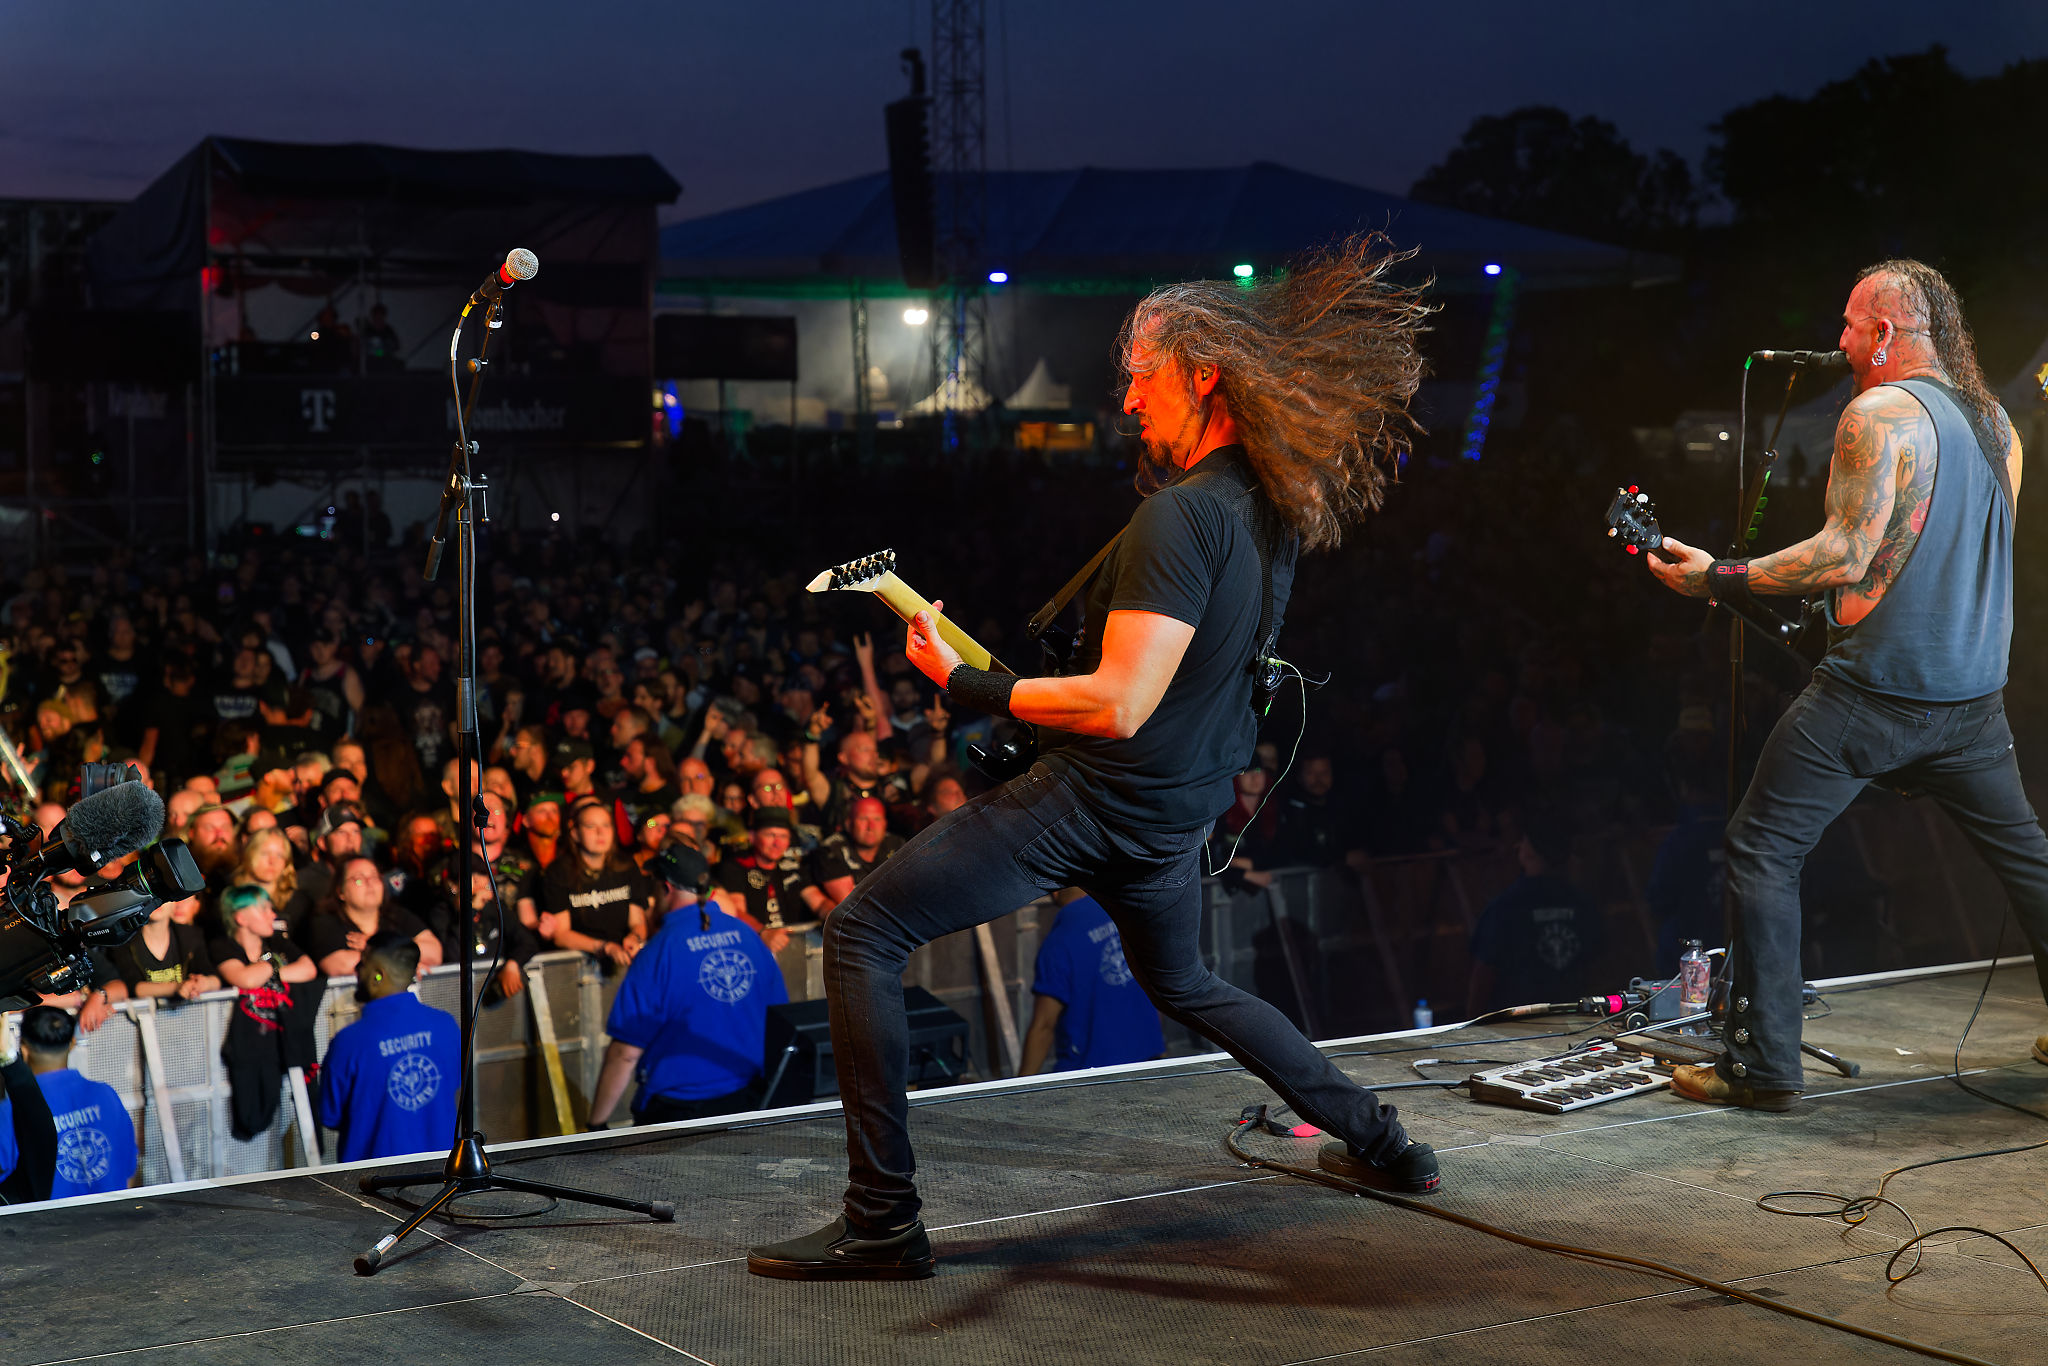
[(1878, 357)]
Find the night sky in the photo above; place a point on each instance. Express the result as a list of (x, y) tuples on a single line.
[(745, 101)]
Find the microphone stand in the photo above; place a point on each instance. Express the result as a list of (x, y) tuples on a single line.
[(468, 1169), (1751, 500)]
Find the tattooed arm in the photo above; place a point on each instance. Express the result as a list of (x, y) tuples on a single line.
[(1882, 428)]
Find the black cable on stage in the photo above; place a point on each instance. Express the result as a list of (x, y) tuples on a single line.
[(1322, 1177), (1853, 1210)]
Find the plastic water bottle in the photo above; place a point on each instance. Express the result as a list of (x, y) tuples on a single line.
[(1694, 972), (1425, 1018)]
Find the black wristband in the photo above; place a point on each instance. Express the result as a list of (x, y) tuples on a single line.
[(981, 690), (1728, 579)]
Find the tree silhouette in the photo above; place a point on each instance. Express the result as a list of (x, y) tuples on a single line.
[(1538, 165)]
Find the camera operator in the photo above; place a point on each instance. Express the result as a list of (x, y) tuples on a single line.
[(28, 1135)]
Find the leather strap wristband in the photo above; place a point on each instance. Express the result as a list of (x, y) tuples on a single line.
[(1728, 579), (981, 690)]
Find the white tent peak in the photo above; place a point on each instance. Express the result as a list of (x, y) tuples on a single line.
[(1041, 390)]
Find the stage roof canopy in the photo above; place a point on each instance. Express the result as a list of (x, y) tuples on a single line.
[(1101, 230), (351, 207)]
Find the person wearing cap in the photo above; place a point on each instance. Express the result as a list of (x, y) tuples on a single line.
[(576, 765), (337, 837), (271, 789), (96, 1150), (388, 1084), (763, 887), (592, 898), (540, 827), (690, 1020)]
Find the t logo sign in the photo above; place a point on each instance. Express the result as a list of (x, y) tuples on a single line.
[(317, 407)]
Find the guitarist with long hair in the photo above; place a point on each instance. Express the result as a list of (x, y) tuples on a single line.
[(1270, 416)]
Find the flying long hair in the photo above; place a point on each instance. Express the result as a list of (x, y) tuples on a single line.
[(1954, 348), (1316, 365)]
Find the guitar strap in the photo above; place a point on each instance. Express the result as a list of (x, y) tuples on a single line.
[(1257, 519), (1043, 618)]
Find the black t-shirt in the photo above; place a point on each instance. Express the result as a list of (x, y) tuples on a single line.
[(846, 790), (185, 956), (599, 906), (326, 933), (228, 949), (1188, 554), (424, 717), (836, 857), (232, 702), (774, 896), (1543, 938), (180, 724)]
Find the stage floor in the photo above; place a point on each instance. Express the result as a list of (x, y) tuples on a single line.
[(1100, 1222)]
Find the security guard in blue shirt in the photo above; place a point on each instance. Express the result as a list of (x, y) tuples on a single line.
[(1088, 1010), (95, 1137), (691, 1018), (389, 1082)]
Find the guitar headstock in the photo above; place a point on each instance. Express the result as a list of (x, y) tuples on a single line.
[(856, 576), (1633, 518)]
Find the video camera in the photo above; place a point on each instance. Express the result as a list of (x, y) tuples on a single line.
[(45, 948)]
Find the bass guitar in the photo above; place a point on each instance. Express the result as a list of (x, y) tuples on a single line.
[(1015, 747)]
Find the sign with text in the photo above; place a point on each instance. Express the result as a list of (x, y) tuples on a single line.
[(417, 409)]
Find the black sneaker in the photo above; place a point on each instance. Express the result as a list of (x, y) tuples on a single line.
[(1413, 1171), (836, 1253)]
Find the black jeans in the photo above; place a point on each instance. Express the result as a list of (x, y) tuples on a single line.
[(1831, 741), (986, 859)]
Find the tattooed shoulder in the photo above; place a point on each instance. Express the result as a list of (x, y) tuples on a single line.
[(1897, 432)]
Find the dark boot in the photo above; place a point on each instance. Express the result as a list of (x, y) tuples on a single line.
[(837, 1253), (1412, 1171)]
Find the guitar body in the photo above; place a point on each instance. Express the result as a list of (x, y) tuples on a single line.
[(1015, 748)]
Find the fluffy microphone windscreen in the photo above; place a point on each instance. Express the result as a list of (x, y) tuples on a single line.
[(522, 264), (120, 820)]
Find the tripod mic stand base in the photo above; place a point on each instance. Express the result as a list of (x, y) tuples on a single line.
[(468, 1171)]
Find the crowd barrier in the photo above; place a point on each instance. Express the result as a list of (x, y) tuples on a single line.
[(1342, 951)]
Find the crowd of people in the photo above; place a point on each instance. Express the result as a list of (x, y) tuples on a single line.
[(293, 700)]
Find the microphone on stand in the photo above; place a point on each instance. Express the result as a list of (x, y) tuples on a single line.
[(520, 264), (1813, 360)]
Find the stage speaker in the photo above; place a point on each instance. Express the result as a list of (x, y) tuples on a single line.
[(799, 1052), (910, 189)]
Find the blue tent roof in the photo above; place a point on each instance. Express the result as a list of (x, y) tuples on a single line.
[(1100, 224)]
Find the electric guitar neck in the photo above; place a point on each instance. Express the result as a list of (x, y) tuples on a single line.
[(876, 574)]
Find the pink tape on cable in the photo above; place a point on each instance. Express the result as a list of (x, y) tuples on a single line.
[(1305, 1131)]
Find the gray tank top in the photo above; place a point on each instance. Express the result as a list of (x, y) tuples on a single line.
[(1942, 631)]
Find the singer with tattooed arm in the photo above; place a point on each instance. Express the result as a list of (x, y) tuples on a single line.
[(1916, 562)]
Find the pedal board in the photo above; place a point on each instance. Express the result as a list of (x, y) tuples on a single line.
[(1592, 1075)]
